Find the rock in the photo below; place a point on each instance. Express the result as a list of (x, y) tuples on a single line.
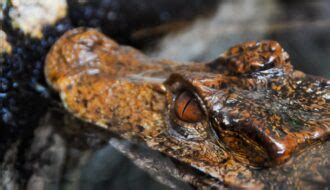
[(68, 154), (31, 16)]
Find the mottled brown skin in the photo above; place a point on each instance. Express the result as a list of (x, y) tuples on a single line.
[(246, 109)]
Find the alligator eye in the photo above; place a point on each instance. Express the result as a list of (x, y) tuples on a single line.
[(187, 108)]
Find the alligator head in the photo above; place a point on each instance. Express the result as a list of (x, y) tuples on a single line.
[(247, 109)]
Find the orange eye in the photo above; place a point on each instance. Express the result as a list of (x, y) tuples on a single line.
[(187, 108)]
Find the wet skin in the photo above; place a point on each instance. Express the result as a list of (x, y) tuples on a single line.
[(245, 110)]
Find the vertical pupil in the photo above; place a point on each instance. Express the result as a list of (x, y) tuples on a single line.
[(187, 107)]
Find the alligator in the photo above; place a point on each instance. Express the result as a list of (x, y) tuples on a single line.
[(246, 111)]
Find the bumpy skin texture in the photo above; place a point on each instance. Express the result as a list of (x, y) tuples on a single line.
[(257, 110)]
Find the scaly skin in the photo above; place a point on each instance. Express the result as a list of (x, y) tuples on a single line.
[(256, 110)]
